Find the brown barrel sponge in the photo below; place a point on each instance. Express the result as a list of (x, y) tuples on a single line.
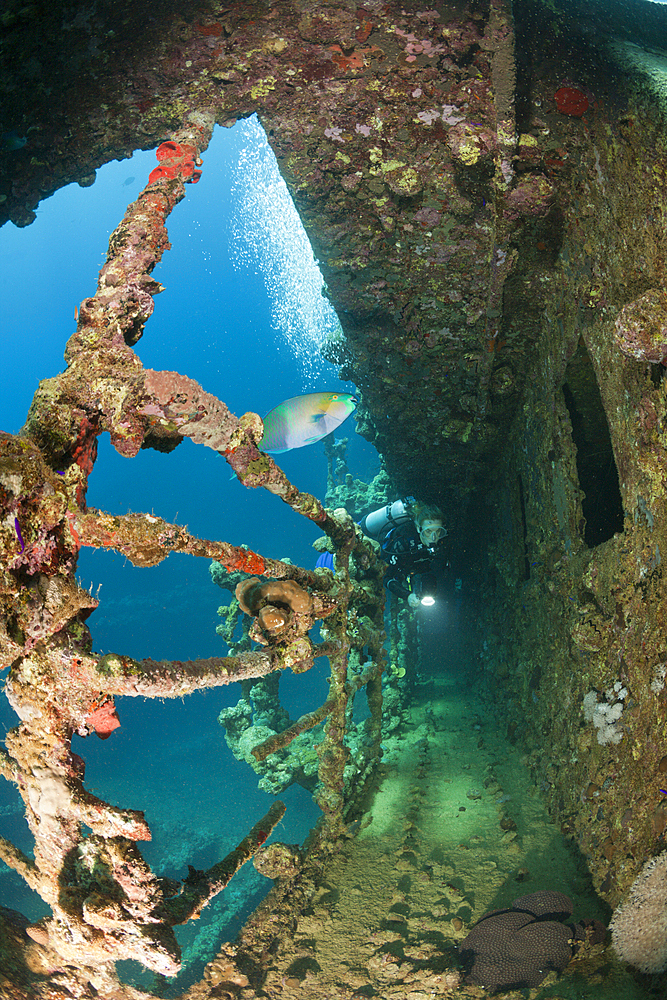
[(273, 619), (252, 594)]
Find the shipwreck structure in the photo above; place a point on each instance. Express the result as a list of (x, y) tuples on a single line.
[(484, 185)]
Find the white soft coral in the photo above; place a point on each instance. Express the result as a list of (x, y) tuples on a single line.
[(606, 714)]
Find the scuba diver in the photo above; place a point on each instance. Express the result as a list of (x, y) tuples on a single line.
[(409, 533)]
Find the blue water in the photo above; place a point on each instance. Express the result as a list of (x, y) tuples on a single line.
[(234, 318)]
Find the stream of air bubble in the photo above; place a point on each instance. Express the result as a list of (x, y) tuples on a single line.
[(268, 237)]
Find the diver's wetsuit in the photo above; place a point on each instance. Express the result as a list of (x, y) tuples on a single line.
[(403, 550)]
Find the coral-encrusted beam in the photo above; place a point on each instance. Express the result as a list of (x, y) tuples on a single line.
[(102, 386), (14, 858), (311, 719), (200, 887), (121, 675), (174, 406), (146, 540), (305, 722), (110, 821)]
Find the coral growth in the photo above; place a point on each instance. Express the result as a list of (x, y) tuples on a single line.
[(103, 720), (639, 925), (176, 160), (571, 101), (606, 713), (278, 860), (275, 605), (257, 719), (253, 595), (641, 327), (515, 948)]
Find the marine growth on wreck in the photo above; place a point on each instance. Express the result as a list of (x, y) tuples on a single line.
[(482, 184)]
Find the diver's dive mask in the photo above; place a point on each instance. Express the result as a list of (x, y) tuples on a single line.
[(431, 532)]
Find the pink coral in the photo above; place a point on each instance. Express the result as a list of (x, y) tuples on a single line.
[(532, 195), (103, 719), (418, 47)]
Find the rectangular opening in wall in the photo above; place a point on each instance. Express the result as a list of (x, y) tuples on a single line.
[(596, 466)]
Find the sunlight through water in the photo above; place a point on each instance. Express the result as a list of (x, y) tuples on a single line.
[(268, 237)]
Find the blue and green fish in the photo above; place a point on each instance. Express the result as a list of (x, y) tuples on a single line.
[(303, 420)]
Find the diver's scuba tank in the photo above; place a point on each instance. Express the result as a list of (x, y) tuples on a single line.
[(379, 522)]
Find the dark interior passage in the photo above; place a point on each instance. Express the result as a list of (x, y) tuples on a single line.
[(596, 467)]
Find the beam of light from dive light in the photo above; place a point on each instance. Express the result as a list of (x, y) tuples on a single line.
[(429, 589)]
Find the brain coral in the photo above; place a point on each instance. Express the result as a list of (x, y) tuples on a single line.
[(518, 947), (639, 925)]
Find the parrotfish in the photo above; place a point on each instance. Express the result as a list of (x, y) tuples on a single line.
[(304, 420)]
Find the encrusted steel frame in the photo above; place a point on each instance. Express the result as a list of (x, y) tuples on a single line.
[(106, 902)]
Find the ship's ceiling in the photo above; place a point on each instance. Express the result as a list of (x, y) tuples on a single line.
[(432, 152)]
